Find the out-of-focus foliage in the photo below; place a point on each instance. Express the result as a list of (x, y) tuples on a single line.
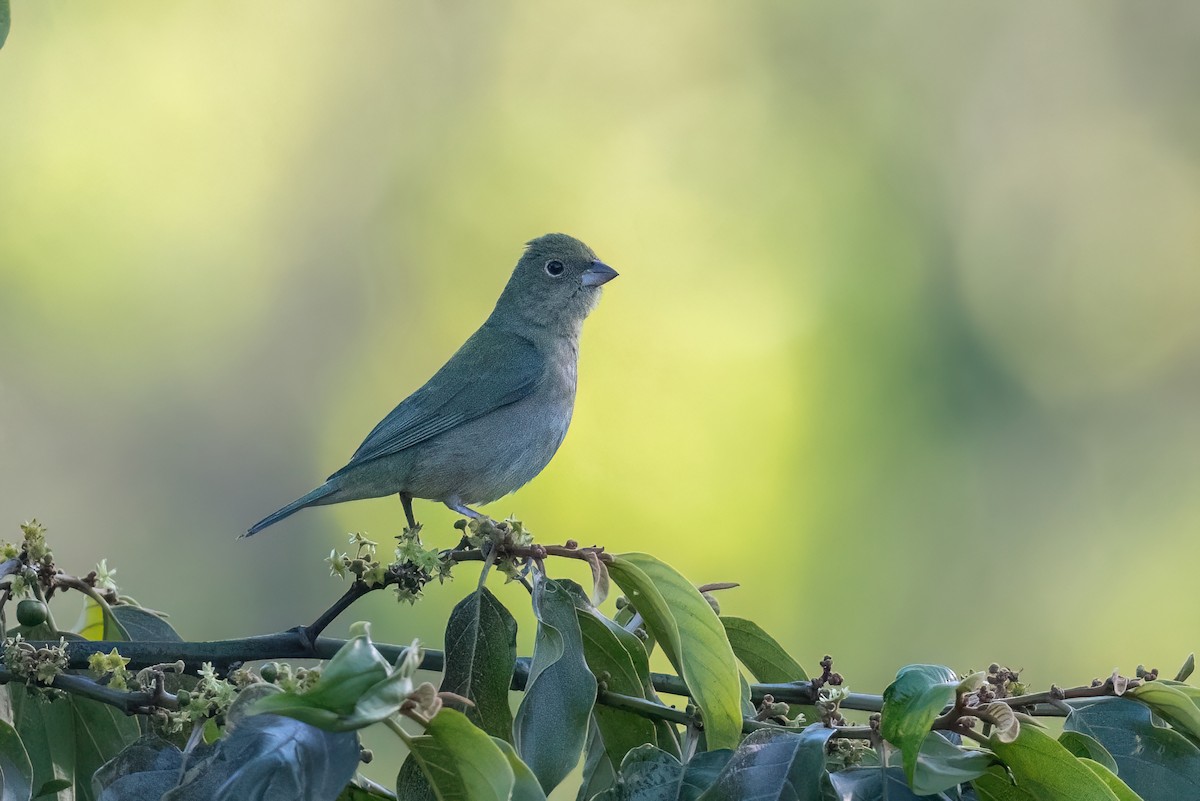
[(907, 308)]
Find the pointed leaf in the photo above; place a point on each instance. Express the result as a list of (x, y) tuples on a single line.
[(461, 761), (551, 723), (875, 783), (774, 764), (760, 653), (411, 784), (598, 771), (693, 638), (69, 738), (1171, 704), (481, 650), (525, 784), (141, 625), (910, 705), (146, 769), (1119, 788), (5, 20), (620, 730), (16, 771), (271, 758), (942, 765), (1158, 763), (1047, 771), (1087, 747)]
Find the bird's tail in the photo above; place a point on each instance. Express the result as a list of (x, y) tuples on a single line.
[(319, 496)]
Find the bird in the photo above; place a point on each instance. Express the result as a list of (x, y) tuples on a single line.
[(494, 415)]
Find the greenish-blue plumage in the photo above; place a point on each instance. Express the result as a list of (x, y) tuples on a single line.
[(492, 418)]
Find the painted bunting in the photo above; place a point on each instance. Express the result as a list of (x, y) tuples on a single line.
[(494, 415)]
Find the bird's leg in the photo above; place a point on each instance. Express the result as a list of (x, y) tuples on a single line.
[(462, 509), (406, 501)]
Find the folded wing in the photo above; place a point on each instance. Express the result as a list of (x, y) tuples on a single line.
[(492, 369)]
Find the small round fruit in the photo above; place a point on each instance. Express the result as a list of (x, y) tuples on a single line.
[(32, 612)]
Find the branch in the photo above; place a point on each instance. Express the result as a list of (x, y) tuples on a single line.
[(130, 702)]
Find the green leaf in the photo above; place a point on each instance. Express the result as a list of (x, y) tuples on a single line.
[(1159, 763), (69, 738), (461, 761), (142, 625), (770, 763), (52, 788), (910, 705), (651, 774), (356, 688), (620, 730), (1087, 747), (693, 638), (760, 653), (1171, 704), (551, 723), (16, 771), (942, 765), (599, 774), (5, 21), (271, 758), (525, 784), (1119, 788), (481, 650), (875, 783), (1047, 771), (411, 784), (146, 769)]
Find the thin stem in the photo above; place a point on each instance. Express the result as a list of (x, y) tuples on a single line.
[(357, 590), (395, 726), (78, 584)]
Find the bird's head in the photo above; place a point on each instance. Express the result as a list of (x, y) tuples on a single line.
[(556, 283)]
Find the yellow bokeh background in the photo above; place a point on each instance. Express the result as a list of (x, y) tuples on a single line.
[(906, 339)]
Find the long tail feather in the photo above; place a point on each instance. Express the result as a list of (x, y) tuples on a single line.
[(317, 497)]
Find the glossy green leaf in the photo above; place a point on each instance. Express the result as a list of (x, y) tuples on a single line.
[(271, 758), (411, 784), (52, 788), (146, 769), (5, 21), (1171, 703), (996, 785), (141, 625), (69, 738), (1158, 763), (552, 721), (599, 774), (875, 783), (525, 784), (651, 774), (910, 705), (693, 638), (481, 650), (16, 771), (774, 764), (1047, 771), (620, 730), (766, 659), (356, 688), (1087, 747), (461, 761), (1121, 790), (942, 765), (760, 653)]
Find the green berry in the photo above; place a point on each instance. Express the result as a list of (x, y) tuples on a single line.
[(32, 612), (184, 697), (269, 672)]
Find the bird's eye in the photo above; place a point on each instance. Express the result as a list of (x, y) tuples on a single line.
[(554, 268)]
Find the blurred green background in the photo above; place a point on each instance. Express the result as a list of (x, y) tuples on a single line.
[(906, 338)]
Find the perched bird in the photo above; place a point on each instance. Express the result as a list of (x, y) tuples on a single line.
[(494, 415)]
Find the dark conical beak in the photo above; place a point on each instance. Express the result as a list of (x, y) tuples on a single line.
[(599, 273)]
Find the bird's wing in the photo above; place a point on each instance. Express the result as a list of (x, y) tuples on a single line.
[(492, 369)]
